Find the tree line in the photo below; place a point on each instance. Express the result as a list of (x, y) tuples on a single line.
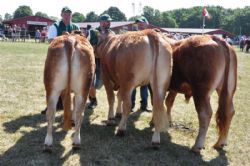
[(236, 21)]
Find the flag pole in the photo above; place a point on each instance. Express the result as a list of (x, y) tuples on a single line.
[(203, 25)]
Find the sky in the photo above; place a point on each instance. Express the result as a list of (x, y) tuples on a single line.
[(53, 7)]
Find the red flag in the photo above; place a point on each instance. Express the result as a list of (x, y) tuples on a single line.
[(205, 13)]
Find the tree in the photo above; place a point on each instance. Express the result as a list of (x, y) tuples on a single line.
[(91, 17), (23, 11), (78, 17), (148, 12), (167, 21), (7, 16), (54, 18), (41, 14), (115, 14), (1, 18)]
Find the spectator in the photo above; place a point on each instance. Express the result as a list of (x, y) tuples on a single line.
[(37, 35), (57, 29), (44, 35), (141, 23), (93, 38)]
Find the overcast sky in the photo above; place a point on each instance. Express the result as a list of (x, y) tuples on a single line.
[(53, 7)]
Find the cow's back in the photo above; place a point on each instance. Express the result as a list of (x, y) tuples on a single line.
[(198, 60), (130, 57)]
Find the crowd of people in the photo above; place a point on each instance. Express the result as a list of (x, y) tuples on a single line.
[(16, 33)]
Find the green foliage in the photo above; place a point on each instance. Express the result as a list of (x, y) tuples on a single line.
[(167, 21), (1, 18), (78, 17), (54, 18), (91, 17), (23, 11), (115, 14), (41, 14), (7, 16)]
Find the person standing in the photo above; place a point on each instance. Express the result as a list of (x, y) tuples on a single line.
[(105, 22), (141, 23), (57, 29)]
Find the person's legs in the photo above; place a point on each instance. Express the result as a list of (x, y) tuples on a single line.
[(144, 98), (133, 99), (97, 84)]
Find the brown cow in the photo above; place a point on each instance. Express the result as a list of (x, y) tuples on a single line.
[(135, 59), (202, 64), (69, 67)]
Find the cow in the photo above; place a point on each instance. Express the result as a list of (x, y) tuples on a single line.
[(247, 45), (69, 67), (135, 59), (201, 65)]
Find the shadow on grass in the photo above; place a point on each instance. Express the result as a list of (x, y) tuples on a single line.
[(99, 146)]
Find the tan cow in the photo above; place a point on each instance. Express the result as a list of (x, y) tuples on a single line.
[(69, 67), (135, 59), (201, 65)]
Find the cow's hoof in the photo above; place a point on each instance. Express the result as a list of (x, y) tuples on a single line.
[(76, 147), (219, 146), (47, 148), (120, 133), (156, 145), (197, 150), (111, 122), (118, 115)]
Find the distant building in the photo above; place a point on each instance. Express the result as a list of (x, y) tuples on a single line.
[(197, 31), (117, 27), (31, 23), (123, 26)]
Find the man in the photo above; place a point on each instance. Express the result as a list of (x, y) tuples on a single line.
[(57, 29), (141, 23), (104, 27)]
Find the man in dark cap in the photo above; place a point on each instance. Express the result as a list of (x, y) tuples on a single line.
[(141, 23), (65, 25), (57, 29), (104, 27)]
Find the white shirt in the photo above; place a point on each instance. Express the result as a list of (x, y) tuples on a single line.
[(52, 32)]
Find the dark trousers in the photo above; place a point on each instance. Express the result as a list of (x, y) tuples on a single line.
[(144, 97)]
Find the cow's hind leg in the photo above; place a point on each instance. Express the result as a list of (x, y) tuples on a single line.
[(204, 110), (118, 113), (169, 103), (111, 101), (126, 106), (224, 117), (80, 101), (50, 114)]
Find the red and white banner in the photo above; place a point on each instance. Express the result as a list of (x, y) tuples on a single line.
[(205, 13)]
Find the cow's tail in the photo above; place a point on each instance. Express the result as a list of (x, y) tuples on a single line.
[(224, 113), (159, 114), (69, 44)]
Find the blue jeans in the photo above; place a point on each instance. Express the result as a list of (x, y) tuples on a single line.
[(144, 97), (97, 82)]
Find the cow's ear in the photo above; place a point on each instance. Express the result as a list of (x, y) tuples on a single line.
[(65, 33), (78, 32)]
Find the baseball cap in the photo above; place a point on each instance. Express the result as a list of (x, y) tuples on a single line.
[(66, 9), (141, 19), (105, 17)]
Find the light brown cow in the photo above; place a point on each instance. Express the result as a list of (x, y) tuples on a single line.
[(135, 59), (69, 67), (202, 64)]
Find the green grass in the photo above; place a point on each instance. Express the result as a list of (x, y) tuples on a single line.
[(23, 128)]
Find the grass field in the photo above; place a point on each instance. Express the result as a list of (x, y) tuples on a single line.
[(23, 128)]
